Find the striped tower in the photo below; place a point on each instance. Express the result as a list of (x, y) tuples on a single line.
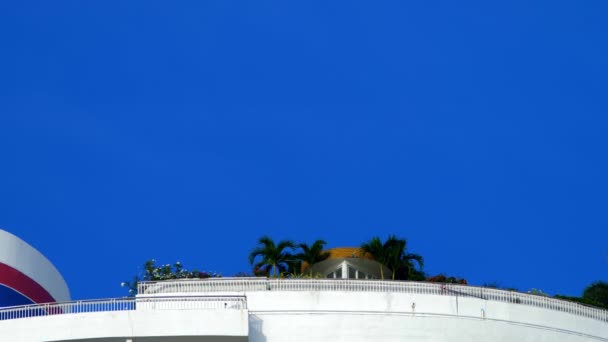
[(27, 276)]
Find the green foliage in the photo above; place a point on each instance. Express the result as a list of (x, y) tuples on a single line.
[(276, 258), (442, 278), (579, 300), (597, 292), (538, 292), (414, 270), (273, 257), (153, 272), (392, 254), (294, 267), (375, 247), (311, 255), (410, 273), (299, 275)]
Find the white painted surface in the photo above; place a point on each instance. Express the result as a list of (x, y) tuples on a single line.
[(241, 285), (392, 328), (120, 325), (346, 265), (19, 255), (351, 316), (319, 316)]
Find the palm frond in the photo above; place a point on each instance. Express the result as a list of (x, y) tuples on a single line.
[(255, 253), (266, 241), (284, 244), (415, 257)]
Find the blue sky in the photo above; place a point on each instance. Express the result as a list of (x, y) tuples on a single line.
[(475, 129)]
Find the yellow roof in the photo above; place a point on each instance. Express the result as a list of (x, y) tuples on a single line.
[(347, 252), (342, 253)]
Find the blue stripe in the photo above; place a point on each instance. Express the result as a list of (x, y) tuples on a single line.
[(10, 297)]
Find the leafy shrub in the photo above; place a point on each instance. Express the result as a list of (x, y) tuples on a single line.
[(597, 292), (153, 272), (580, 300), (442, 278), (538, 292)]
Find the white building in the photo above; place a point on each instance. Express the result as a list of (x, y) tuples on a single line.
[(347, 263), (273, 310)]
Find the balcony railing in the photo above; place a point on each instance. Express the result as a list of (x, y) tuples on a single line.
[(242, 285), (229, 293), (126, 304)]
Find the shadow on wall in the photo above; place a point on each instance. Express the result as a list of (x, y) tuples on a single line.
[(255, 329)]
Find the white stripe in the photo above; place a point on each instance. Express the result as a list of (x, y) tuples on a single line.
[(17, 254)]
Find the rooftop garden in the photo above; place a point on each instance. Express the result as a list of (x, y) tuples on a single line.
[(288, 259)]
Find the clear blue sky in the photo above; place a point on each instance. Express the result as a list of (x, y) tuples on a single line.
[(475, 129)]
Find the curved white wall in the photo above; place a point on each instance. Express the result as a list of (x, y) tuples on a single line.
[(358, 316), (38, 278), (317, 316), (148, 326)]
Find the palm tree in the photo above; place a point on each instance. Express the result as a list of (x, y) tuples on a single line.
[(413, 272), (312, 254), (401, 258), (294, 266), (395, 249), (378, 250), (274, 257), (392, 254)]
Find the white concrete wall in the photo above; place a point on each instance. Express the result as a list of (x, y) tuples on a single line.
[(359, 316), (320, 316), (120, 325), (353, 327)]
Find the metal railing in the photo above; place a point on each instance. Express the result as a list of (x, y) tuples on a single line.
[(188, 296), (203, 285), (125, 304), (34, 310), (193, 303), (242, 285)]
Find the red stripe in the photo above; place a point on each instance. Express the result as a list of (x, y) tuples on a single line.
[(24, 285)]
